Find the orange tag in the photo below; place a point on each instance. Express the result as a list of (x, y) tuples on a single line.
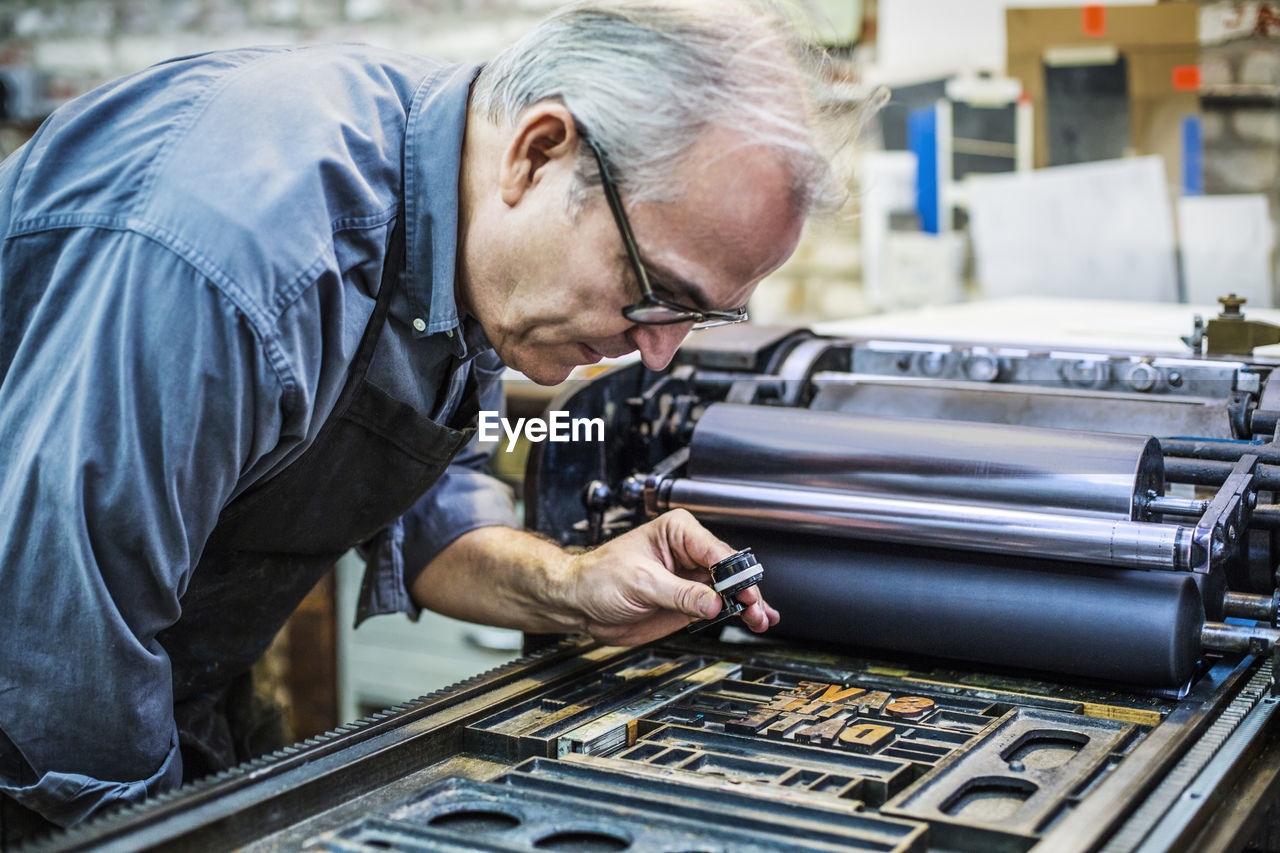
[(1186, 78), (1093, 20)]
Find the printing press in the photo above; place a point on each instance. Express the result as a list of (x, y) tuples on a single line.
[(1028, 601)]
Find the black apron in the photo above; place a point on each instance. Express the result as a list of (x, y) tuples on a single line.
[(372, 459)]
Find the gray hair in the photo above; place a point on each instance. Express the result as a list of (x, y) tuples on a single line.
[(646, 79)]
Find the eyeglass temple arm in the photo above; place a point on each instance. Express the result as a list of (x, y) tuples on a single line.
[(615, 207)]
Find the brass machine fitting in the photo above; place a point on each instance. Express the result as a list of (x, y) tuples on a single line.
[(1231, 334)]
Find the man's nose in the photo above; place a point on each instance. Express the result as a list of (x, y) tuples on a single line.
[(658, 344)]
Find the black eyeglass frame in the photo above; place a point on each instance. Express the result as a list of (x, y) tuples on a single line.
[(679, 313)]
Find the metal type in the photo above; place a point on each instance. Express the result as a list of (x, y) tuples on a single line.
[(879, 596), (990, 529), (984, 463)]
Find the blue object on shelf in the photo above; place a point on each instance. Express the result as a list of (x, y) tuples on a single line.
[(922, 140), (1192, 156)]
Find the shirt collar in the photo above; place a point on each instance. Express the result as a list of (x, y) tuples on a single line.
[(432, 161), (474, 340)]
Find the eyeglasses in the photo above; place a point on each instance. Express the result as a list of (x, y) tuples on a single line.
[(651, 310)]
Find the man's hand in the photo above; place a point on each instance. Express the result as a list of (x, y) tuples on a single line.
[(641, 586), (654, 580)]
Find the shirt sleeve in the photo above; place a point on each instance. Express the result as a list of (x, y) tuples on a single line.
[(465, 498), (135, 395)]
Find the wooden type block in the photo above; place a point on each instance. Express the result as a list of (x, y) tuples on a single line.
[(873, 701), (785, 727), (909, 706), (789, 703), (810, 688), (865, 737), (822, 733), (753, 722), (835, 693)]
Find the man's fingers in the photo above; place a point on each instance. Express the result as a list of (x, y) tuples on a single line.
[(692, 545), (759, 615), (755, 618), (690, 542)]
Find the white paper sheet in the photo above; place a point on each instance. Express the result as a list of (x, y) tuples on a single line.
[(1092, 230), (1226, 248)]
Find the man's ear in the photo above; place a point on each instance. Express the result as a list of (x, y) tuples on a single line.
[(544, 136)]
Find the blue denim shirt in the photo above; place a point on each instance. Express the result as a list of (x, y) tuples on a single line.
[(190, 255)]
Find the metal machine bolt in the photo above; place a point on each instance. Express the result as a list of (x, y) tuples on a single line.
[(1143, 377), (1087, 372), (982, 368), (1231, 305), (931, 363)]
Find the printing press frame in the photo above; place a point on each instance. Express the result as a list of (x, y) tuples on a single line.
[(691, 743)]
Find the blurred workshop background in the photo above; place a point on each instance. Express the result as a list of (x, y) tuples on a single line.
[(1029, 150)]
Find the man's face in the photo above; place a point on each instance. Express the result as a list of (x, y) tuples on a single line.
[(562, 281)]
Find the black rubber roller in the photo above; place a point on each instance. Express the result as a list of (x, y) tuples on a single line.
[(1140, 628)]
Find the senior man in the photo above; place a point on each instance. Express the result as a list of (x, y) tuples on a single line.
[(250, 304)]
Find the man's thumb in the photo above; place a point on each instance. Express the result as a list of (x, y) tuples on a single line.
[(688, 597), (705, 602), (691, 598)]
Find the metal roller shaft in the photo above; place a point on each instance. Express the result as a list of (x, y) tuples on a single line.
[(1245, 605), (990, 529), (1164, 505), (973, 462), (1207, 472), (1239, 639)]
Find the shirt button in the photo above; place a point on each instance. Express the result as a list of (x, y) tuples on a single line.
[(419, 324)]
